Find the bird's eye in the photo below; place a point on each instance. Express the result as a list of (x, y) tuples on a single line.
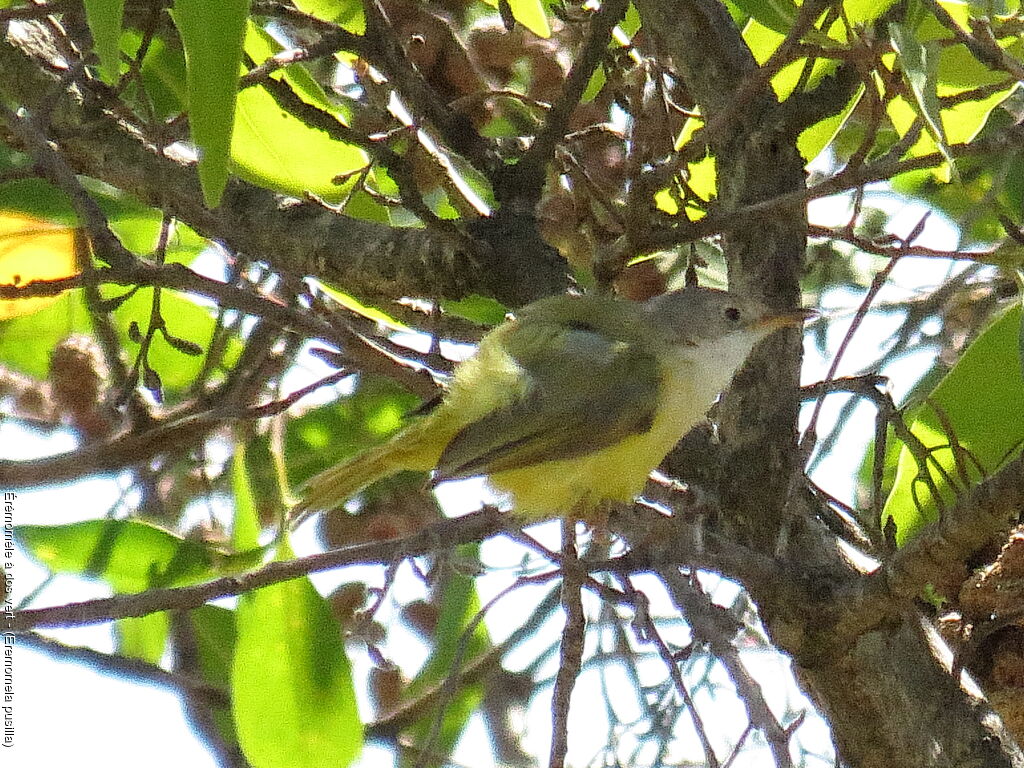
[(731, 314)]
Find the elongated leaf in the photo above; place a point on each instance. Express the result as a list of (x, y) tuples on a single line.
[(478, 309), (459, 606), (104, 19), (212, 34), (245, 530), (144, 637), (981, 400), (292, 693), (129, 555), (919, 63), (214, 630), (277, 150)]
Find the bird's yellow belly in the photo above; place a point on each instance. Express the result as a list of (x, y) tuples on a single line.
[(577, 485)]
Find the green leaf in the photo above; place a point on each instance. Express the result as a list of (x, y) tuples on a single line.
[(481, 310), (137, 226), (186, 319), (919, 63), (531, 14), (245, 530), (212, 35), (26, 342), (317, 439), (293, 698), (818, 136), (144, 637), (164, 76), (129, 555), (345, 13), (865, 11), (459, 607), (274, 149), (351, 303), (104, 19), (215, 634), (980, 398), (777, 15), (214, 630)]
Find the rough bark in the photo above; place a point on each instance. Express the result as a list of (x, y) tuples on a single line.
[(373, 260)]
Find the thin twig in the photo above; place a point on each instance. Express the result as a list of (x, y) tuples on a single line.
[(529, 172), (127, 667), (571, 650), (448, 533), (705, 620)]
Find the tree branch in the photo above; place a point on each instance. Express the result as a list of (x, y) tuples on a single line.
[(525, 181), (936, 555), (373, 260), (449, 533)]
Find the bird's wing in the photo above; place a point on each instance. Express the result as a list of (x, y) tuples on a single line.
[(583, 391)]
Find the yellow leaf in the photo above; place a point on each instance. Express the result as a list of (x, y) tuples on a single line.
[(33, 249)]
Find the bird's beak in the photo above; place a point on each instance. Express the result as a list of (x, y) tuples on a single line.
[(785, 319)]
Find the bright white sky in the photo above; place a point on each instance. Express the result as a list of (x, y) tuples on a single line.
[(66, 714)]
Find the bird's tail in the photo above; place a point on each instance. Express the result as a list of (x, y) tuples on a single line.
[(411, 449)]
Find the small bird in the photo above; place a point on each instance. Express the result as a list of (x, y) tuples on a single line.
[(571, 403)]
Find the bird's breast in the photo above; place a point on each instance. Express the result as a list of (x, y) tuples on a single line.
[(618, 472)]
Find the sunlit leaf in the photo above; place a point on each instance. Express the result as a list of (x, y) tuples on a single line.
[(664, 201), (919, 63), (345, 13), (865, 11), (292, 693), (104, 20), (274, 149), (963, 121), (530, 13), (26, 342), (33, 249), (129, 555), (212, 34), (184, 318), (817, 137), (980, 399), (144, 637), (351, 303), (245, 530), (776, 15), (137, 226), (702, 175), (763, 42)]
